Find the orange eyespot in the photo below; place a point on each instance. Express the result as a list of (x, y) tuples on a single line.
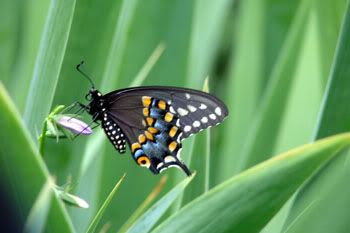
[(144, 161)]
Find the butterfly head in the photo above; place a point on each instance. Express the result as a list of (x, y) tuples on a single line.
[(97, 104)]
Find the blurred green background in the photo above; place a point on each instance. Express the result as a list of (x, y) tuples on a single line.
[(274, 63)]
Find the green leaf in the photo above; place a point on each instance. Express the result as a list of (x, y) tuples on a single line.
[(245, 203), (20, 162), (141, 209), (146, 222), (205, 34), (38, 214), (259, 39), (48, 63), (263, 133), (102, 209), (328, 192)]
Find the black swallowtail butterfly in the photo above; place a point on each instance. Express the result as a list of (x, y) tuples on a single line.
[(153, 120)]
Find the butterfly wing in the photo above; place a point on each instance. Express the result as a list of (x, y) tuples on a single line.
[(156, 119)]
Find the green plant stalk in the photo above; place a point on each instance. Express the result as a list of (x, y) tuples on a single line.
[(207, 163), (42, 138), (105, 204), (141, 209)]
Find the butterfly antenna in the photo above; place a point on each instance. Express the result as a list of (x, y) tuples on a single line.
[(85, 75)]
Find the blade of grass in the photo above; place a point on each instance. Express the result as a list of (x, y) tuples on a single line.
[(207, 148), (246, 202), (258, 39), (331, 183), (30, 29), (147, 221), (141, 209), (48, 63), (37, 217), (261, 137), (302, 106), (102, 209), (20, 162), (329, 16), (205, 35), (118, 47), (147, 67)]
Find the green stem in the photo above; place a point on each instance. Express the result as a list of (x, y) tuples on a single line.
[(207, 163), (42, 138)]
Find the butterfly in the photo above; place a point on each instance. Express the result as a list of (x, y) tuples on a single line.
[(153, 120)]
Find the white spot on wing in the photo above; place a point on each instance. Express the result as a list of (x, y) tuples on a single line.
[(187, 96), (196, 124), (187, 128), (212, 116), (182, 112), (160, 165), (218, 111), (203, 106), (169, 159), (192, 108), (204, 120), (172, 109)]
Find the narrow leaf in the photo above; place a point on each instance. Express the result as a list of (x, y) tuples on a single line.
[(48, 63), (322, 204), (38, 214), (103, 208), (245, 203), (146, 222), (133, 218), (20, 162)]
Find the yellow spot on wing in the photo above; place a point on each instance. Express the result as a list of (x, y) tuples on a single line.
[(152, 130), (150, 121), (173, 131), (168, 117), (146, 100), (146, 111), (172, 146), (135, 146), (142, 138), (162, 104), (149, 136)]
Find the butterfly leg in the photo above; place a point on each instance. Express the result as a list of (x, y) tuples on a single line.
[(93, 121)]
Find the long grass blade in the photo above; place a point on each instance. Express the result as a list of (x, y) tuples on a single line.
[(254, 196), (37, 217), (331, 182), (147, 221), (48, 63), (20, 162), (99, 214)]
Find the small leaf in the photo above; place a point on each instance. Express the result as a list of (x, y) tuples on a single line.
[(38, 214), (72, 199), (144, 205), (105, 204), (149, 218)]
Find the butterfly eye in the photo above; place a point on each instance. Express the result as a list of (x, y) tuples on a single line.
[(88, 97), (143, 161)]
